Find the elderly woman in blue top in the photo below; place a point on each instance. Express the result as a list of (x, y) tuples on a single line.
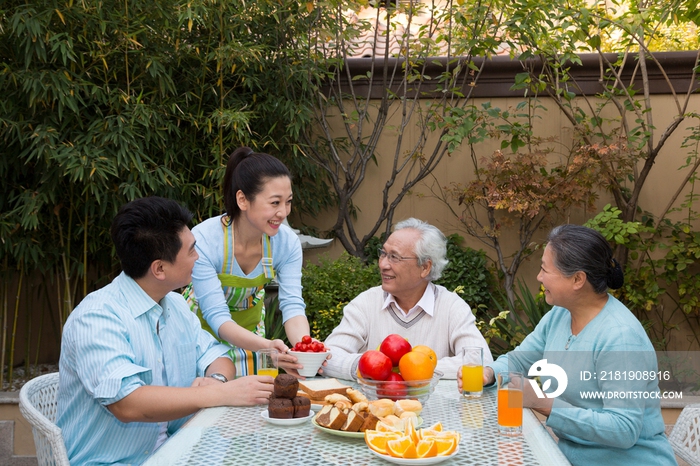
[(602, 348), (240, 252)]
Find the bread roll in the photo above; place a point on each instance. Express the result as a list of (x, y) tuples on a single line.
[(336, 397), (382, 407), (356, 396), (401, 406), (392, 420)]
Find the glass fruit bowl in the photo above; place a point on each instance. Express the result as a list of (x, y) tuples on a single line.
[(414, 389)]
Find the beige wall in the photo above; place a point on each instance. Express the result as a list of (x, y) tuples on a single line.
[(661, 185), (658, 190)]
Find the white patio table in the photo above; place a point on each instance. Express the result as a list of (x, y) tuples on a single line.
[(240, 436)]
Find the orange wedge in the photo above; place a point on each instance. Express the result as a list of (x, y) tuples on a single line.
[(411, 433), (427, 433), (384, 427), (445, 446), (399, 446), (410, 452), (448, 434), (377, 440), (436, 427), (426, 448)]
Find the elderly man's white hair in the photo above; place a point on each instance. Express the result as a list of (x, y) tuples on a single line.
[(432, 245)]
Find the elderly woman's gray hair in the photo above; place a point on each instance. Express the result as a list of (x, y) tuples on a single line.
[(432, 245), (578, 248)]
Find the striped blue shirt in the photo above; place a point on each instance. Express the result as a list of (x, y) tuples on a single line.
[(112, 344)]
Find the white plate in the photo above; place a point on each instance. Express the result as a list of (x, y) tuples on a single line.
[(286, 422), (417, 461)]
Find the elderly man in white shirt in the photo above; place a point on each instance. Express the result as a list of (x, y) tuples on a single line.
[(407, 303)]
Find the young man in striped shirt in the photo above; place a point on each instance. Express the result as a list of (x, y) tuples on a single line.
[(135, 362)]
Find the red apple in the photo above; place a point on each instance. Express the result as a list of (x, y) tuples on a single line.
[(395, 346), (374, 365), (394, 388)]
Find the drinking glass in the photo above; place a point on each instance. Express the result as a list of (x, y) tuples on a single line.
[(510, 403), (267, 362), (472, 371)]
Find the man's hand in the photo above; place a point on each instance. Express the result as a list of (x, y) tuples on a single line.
[(488, 379), (248, 391)]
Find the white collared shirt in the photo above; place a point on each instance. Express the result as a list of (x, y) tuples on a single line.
[(425, 303)]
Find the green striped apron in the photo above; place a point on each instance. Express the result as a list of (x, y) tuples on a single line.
[(245, 298)]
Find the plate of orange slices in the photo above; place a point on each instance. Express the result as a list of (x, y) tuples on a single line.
[(412, 446)]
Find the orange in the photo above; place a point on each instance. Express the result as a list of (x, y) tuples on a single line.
[(377, 440), (398, 447), (445, 446), (429, 351), (416, 366), (426, 449)]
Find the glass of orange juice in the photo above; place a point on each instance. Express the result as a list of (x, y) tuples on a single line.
[(267, 362), (472, 371), (510, 402)]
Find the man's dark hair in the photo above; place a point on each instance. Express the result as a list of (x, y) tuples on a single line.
[(146, 230)]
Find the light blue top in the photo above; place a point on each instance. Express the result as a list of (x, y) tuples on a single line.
[(613, 346), (110, 348), (286, 260)]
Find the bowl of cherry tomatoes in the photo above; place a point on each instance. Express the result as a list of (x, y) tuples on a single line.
[(310, 354)]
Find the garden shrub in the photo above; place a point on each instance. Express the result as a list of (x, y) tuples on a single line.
[(330, 284), (467, 269), (505, 325)]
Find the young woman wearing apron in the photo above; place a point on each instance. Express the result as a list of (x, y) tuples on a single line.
[(240, 252)]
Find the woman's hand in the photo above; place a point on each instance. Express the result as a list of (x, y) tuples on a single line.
[(532, 401), (278, 345), (285, 360)]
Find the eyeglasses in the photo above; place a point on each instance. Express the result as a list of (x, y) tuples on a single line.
[(393, 258)]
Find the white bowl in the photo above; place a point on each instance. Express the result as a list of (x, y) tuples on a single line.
[(311, 361)]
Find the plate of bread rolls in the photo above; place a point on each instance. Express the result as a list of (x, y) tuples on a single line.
[(351, 414)]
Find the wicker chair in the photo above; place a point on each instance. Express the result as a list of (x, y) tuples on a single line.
[(685, 436), (37, 403)]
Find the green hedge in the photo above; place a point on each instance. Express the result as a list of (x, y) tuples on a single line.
[(330, 285)]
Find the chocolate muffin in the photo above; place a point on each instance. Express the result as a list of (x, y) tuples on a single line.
[(286, 386), (280, 408), (302, 406)]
